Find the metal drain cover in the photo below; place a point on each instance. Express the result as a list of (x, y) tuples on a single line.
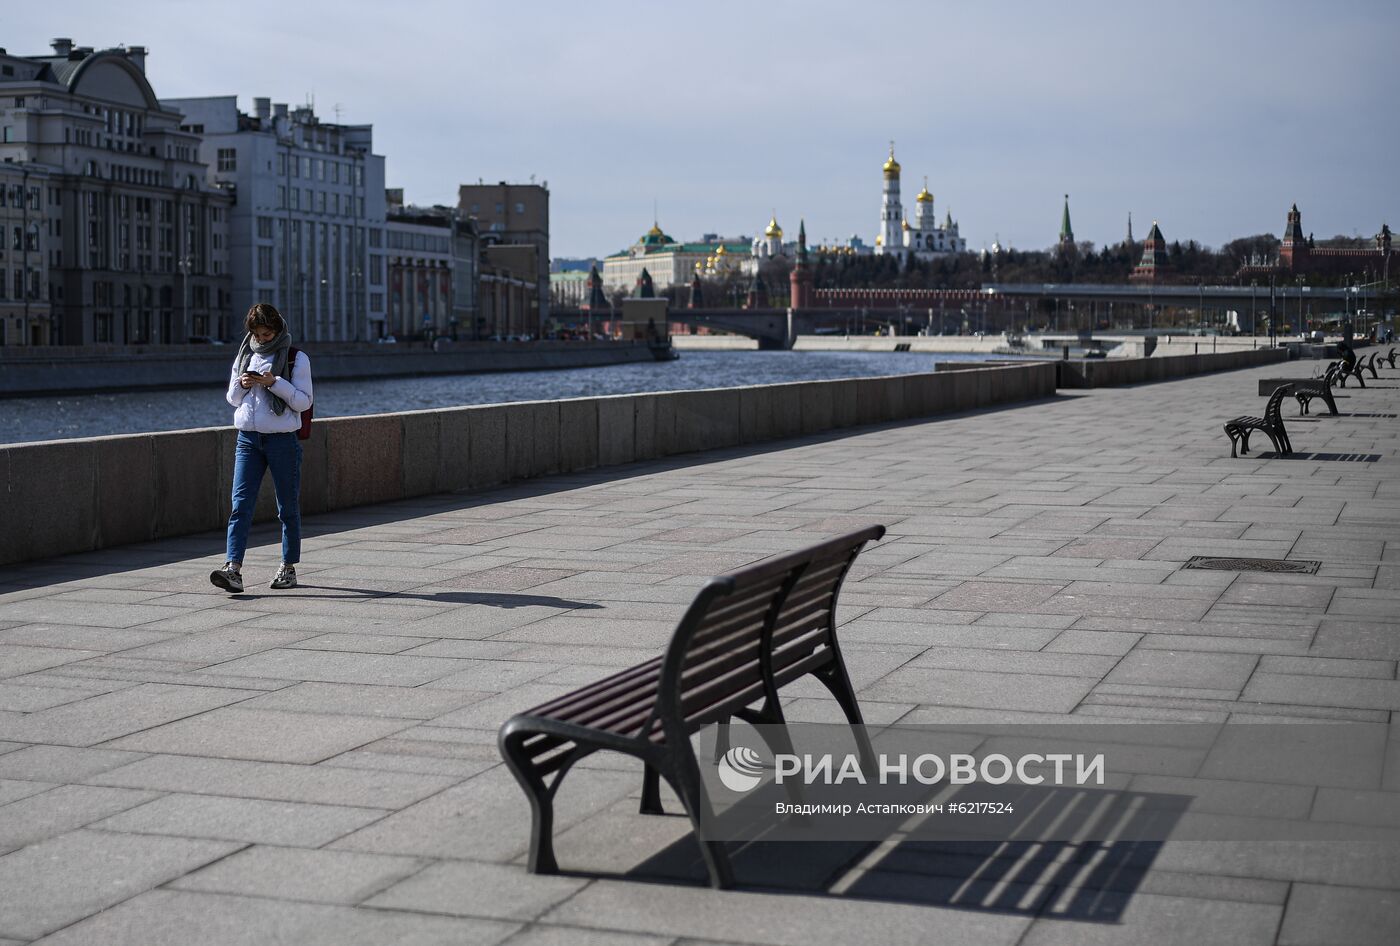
[(1218, 563)]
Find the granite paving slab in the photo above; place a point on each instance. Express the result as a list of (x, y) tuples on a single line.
[(302, 874), (253, 820), (274, 781), (57, 882), (214, 919), (267, 735)]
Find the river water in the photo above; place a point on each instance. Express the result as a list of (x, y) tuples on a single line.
[(94, 415)]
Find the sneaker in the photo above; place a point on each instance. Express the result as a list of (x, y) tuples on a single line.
[(228, 578), (286, 577)]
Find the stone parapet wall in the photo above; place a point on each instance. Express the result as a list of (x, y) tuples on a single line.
[(1108, 372), (77, 495)]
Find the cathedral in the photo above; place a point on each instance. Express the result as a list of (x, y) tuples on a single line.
[(924, 239)]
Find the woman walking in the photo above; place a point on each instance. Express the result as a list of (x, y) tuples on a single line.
[(269, 388)]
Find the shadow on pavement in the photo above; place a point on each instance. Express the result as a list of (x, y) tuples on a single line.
[(489, 599), (1035, 872)]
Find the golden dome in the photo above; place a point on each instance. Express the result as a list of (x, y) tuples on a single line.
[(924, 196), (879, 240), (720, 250), (773, 229), (654, 231), (699, 266), (891, 167)]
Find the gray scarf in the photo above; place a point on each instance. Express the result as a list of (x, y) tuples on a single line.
[(280, 350)]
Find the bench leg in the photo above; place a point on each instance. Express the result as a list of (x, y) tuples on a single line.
[(541, 806), (839, 683), (1303, 400), (651, 792), (1331, 404), (686, 782)]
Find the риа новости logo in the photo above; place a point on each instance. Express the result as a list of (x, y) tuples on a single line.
[(740, 769)]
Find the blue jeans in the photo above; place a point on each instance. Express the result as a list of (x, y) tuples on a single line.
[(257, 453)]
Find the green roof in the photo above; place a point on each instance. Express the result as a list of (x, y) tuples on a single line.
[(705, 248)]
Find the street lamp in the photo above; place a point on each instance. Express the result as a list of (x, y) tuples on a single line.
[(30, 230), (185, 265), (301, 285)]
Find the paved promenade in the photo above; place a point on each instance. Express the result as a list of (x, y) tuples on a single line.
[(319, 766)]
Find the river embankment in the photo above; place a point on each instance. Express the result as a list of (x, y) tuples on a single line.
[(60, 371)]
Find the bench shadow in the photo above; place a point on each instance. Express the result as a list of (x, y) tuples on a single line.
[(1031, 873), (1324, 457)]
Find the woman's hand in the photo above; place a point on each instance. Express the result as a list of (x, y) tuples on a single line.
[(251, 378)]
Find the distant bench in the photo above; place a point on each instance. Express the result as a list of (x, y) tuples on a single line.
[(1305, 389), (747, 634)]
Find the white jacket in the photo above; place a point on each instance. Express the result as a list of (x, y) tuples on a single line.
[(252, 408)]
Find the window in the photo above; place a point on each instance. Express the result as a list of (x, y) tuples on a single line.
[(228, 159), (500, 208), (8, 134), (519, 207), (265, 228), (19, 101), (296, 198), (265, 263), (376, 270), (376, 238), (320, 169), (335, 172), (281, 164), (281, 197)]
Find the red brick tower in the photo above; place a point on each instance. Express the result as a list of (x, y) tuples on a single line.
[(1153, 265), (1293, 253)]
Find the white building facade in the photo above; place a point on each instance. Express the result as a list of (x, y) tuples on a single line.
[(768, 248), (307, 229), (924, 239), (670, 263)]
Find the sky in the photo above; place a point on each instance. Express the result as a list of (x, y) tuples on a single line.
[(1208, 117)]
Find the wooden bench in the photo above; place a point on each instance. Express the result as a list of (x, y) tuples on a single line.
[(1271, 424), (746, 635), (1305, 389)]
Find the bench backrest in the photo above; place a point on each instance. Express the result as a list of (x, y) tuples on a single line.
[(752, 630), (1273, 411)]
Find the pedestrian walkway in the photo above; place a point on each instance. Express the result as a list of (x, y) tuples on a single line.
[(319, 766)]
